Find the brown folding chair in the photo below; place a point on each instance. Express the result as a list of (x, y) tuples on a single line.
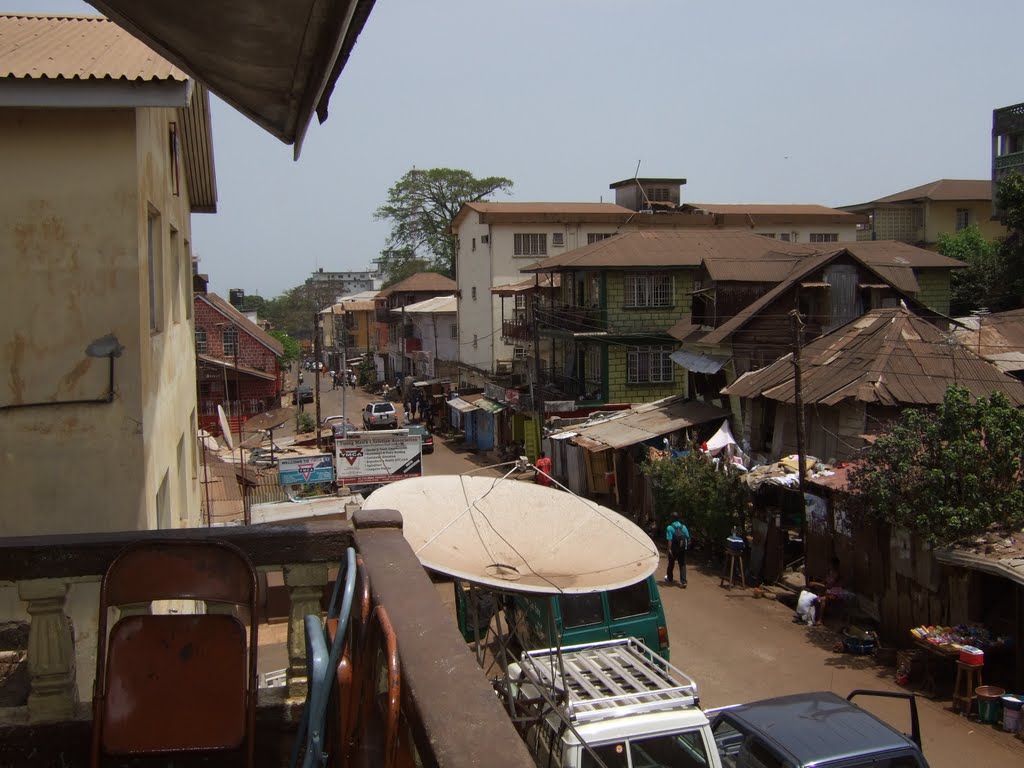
[(177, 682)]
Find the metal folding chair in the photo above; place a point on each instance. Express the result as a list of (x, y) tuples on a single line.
[(321, 666), (176, 682)]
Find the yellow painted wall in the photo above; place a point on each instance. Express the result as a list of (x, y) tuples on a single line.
[(940, 218), (73, 267)]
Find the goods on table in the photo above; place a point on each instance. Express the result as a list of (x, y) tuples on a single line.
[(952, 639)]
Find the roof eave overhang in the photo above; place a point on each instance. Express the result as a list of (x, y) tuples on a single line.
[(94, 94), (276, 63)]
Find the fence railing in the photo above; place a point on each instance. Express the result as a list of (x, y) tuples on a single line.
[(449, 713)]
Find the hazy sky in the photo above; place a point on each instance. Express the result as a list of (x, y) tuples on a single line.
[(751, 101)]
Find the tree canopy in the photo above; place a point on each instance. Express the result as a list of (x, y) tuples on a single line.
[(976, 286), (421, 207), (947, 473), (292, 348)]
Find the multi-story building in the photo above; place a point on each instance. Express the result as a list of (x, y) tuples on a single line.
[(1007, 142), (349, 328), (432, 348), (394, 329), (496, 240), (919, 215), (239, 363), (106, 150), (338, 284), (626, 303)]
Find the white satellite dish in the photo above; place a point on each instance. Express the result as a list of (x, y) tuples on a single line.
[(517, 536), (225, 428)]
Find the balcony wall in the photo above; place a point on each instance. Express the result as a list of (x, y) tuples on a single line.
[(516, 330), (450, 715), (566, 317)]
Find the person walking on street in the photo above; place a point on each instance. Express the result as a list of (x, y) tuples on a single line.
[(678, 536)]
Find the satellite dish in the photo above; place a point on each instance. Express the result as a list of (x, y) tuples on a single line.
[(517, 536), (270, 419), (225, 428), (254, 440)]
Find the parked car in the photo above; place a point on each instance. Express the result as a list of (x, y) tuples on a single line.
[(426, 439), (380, 415), (302, 394)]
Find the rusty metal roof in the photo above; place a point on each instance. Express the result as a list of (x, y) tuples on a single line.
[(434, 305), (646, 422), (999, 338), (671, 248), (543, 212), (942, 189), (887, 356), (776, 210), (421, 281), (770, 269), (77, 48), (527, 285)]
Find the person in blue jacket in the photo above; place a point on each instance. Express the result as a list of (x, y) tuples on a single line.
[(678, 536)]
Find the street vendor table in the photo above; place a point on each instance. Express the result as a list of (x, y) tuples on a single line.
[(937, 656)]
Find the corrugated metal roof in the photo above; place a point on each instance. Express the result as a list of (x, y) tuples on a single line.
[(672, 248), (243, 322), (698, 363), (435, 305), (421, 281), (887, 356), (647, 422), (527, 285), (77, 48), (230, 365), (533, 208), (770, 269), (1001, 339), (774, 209), (944, 189), (461, 405)]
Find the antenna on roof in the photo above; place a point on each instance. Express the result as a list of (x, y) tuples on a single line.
[(639, 186)]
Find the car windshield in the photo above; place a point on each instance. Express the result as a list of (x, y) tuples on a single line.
[(684, 749)]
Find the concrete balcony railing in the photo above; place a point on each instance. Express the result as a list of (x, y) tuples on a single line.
[(449, 714)]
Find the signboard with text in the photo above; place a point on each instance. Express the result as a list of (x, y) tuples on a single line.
[(306, 470), (366, 460)]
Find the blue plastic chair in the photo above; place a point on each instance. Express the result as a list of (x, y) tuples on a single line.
[(321, 664)]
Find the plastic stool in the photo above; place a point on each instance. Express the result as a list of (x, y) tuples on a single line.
[(968, 677), (732, 559)]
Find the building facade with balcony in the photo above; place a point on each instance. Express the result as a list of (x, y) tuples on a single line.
[(96, 235), (918, 216), (627, 304), (1007, 143), (432, 338)]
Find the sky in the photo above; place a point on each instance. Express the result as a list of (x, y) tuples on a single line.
[(790, 101)]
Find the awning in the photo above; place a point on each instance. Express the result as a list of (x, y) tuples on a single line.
[(461, 405), (244, 370), (491, 406), (698, 363), (595, 446), (647, 422)]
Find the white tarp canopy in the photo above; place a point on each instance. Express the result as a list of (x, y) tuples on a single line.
[(517, 536), (721, 439)]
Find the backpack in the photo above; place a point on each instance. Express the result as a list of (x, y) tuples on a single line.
[(679, 538)]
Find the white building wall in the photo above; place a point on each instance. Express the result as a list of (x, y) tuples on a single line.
[(495, 263), (801, 233)]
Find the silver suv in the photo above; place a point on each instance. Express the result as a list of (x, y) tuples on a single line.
[(379, 415)]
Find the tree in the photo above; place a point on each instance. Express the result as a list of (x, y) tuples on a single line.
[(292, 348), (977, 286), (947, 473), (396, 265), (422, 205), (709, 499), (1010, 204)]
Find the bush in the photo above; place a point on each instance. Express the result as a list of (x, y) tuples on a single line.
[(709, 500), (306, 423)]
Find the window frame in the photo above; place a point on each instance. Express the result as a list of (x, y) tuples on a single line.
[(824, 237), (236, 344), (202, 344), (963, 224), (641, 363), (648, 290), (530, 244)]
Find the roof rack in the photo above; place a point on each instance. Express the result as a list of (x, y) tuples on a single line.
[(621, 675)]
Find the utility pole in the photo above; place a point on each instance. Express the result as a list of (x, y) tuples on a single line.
[(798, 400), (317, 363), (538, 384)]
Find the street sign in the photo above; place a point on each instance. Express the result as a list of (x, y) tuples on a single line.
[(376, 459), (306, 470)]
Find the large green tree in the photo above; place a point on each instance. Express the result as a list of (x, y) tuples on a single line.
[(947, 473), (422, 205), (1010, 204), (977, 285)]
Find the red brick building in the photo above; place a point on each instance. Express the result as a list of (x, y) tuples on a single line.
[(238, 364)]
